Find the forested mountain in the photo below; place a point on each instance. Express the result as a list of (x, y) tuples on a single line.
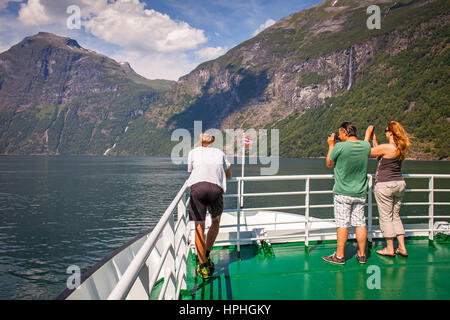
[(304, 75), (321, 66), (59, 98)]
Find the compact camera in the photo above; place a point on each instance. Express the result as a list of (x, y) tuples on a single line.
[(336, 137)]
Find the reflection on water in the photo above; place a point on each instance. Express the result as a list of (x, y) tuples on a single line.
[(57, 211), (60, 211)]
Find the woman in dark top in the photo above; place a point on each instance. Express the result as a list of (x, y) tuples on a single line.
[(390, 185)]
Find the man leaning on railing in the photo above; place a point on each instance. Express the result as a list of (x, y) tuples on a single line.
[(207, 184)]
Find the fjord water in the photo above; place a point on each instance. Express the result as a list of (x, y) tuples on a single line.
[(58, 211)]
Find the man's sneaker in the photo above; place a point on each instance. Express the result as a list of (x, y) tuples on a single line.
[(203, 271), (361, 259), (210, 264), (334, 259)]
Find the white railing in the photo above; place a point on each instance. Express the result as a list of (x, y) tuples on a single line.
[(171, 266), (240, 209)]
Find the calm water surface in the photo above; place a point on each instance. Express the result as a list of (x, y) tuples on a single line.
[(57, 211)]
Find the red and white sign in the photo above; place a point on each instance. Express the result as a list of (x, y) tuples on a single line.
[(246, 141)]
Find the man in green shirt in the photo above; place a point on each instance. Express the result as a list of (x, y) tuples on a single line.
[(349, 159)]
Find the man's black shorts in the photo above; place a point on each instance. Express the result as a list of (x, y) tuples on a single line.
[(204, 195)]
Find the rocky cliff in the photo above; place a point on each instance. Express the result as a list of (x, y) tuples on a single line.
[(303, 75), (57, 97), (294, 66)]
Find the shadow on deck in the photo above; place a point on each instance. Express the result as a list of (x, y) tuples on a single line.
[(294, 274)]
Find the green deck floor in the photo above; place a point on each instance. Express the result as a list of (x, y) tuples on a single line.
[(294, 274)]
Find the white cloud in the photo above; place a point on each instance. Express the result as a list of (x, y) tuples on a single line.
[(123, 22), (129, 25), (265, 25), (56, 10), (210, 53), (155, 45), (88, 7), (3, 47), (33, 13), (154, 65)]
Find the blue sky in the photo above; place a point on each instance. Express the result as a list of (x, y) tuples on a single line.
[(161, 39)]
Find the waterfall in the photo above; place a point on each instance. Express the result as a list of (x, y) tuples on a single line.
[(350, 69), (109, 149)]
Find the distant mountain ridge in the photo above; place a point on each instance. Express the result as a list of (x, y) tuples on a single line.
[(322, 57), (57, 97), (303, 75)]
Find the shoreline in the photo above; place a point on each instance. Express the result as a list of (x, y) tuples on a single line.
[(428, 159)]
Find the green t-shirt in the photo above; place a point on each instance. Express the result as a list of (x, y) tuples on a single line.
[(350, 169)]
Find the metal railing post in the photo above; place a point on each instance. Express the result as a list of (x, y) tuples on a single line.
[(238, 215), (170, 262), (182, 207), (182, 215), (307, 187), (370, 213), (241, 198), (431, 207)]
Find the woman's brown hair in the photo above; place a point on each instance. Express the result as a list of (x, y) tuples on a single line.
[(401, 138)]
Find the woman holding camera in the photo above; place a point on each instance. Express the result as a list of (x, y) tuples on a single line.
[(390, 185)]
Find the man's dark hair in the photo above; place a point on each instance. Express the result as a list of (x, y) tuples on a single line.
[(349, 127)]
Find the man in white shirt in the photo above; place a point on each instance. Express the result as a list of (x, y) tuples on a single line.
[(207, 183)]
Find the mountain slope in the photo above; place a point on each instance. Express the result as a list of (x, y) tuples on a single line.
[(411, 87), (320, 53), (58, 98), (303, 75)]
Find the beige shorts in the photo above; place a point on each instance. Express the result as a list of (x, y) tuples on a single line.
[(389, 197)]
